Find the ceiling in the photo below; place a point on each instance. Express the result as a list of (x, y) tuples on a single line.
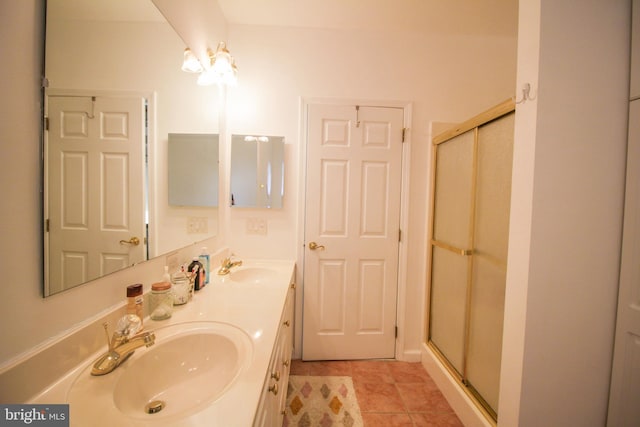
[(103, 10), (474, 17), (487, 17)]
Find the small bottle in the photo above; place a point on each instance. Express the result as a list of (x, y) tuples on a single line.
[(160, 301), (205, 260), (135, 300), (196, 268)]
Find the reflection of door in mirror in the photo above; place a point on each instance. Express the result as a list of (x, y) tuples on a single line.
[(94, 155)]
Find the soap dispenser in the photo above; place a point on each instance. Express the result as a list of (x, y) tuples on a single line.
[(205, 260)]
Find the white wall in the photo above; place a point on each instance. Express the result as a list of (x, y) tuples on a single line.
[(20, 215), (568, 182), (445, 78)]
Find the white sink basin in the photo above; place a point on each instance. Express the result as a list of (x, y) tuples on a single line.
[(253, 275), (188, 368)]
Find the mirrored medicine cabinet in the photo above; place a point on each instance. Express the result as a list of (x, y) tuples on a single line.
[(257, 171), (193, 169)]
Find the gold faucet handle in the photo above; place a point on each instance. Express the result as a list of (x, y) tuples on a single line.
[(105, 325), (128, 325)]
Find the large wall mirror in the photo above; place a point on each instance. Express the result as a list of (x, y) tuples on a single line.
[(257, 171), (115, 92)]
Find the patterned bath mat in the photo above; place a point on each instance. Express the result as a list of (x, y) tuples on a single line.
[(321, 401)]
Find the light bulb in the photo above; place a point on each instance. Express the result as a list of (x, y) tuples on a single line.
[(190, 64)]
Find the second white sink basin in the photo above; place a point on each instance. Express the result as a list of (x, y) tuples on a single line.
[(189, 367), (253, 274)]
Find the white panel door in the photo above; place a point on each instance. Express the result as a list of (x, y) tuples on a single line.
[(95, 198), (352, 214), (624, 409)]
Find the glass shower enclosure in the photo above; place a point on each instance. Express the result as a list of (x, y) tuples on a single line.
[(469, 242)]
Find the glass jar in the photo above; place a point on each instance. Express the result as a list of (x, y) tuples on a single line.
[(160, 301), (181, 288)]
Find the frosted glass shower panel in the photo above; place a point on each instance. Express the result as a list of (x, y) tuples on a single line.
[(485, 329), (453, 190), (448, 301), (493, 195), (493, 191)]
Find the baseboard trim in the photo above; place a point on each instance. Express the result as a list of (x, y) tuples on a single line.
[(463, 406), (411, 356)]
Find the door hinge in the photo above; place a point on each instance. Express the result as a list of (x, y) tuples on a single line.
[(396, 332), (46, 123), (399, 235), (46, 225), (404, 133)]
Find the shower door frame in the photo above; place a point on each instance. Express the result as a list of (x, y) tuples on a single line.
[(473, 124)]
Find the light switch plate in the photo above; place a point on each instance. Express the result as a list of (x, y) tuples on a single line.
[(197, 225), (257, 226)]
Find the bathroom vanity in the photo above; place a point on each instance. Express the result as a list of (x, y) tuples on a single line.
[(274, 392), (222, 359)]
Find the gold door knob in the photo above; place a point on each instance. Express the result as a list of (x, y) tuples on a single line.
[(132, 241), (313, 246)]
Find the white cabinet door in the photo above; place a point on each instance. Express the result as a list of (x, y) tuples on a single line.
[(274, 393)]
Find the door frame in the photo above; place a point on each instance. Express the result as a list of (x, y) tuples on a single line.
[(400, 353)]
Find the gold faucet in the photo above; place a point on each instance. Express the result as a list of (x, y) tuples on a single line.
[(122, 345), (226, 264)]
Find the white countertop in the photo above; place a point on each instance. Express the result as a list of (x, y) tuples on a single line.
[(255, 308)]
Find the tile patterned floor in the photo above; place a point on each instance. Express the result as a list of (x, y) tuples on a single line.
[(390, 393)]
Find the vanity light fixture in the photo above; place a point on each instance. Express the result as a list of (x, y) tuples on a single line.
[(191, 64), (221, 69), (250, 138)]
